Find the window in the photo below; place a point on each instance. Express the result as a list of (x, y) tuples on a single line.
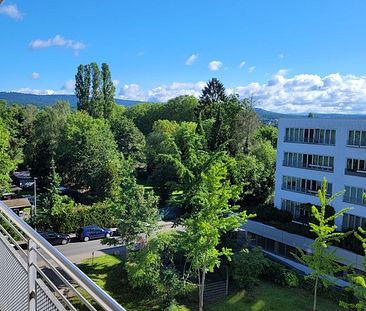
[(350, 137), (327, 137), (313, 136), (321, 139), (332, 137), (357, 138), (363, 139), (356, 167), (354, 195), (303, 185)]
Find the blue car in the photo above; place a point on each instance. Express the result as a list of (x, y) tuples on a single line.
[(93, 232)]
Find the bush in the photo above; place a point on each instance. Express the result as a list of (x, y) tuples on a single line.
[(248, 266), (67, 217)]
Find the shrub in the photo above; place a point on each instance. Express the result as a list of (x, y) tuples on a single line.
[(290, 278), (248, 266)]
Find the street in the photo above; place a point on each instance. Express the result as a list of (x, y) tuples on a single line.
[(79, 251)]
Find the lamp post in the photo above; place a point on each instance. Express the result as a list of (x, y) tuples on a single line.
[(35, 197)]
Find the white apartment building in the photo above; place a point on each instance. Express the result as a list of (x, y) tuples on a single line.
[(310, 149)]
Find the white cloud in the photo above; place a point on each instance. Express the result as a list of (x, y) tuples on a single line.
[(215, 65), (242, 64), (333, 93), (303, 93), (281, 56), (57, 40), (11, 10), (251, 69), (69, 85), (116, 83), (27, 90), (161, 93), (35, 75), (191, 59)]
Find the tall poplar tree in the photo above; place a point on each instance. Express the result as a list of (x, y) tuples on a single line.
[(108, 90), (96, 102), (82, 87)]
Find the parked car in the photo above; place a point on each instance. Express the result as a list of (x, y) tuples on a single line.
[(55, 238), (93, 232)]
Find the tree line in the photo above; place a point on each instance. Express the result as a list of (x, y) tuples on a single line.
[(206, 157)]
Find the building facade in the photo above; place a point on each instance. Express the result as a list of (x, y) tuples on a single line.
[(310, 149)]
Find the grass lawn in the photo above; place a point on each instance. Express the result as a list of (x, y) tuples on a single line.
[(107, 271), (271, 297)]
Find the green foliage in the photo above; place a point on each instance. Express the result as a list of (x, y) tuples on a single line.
[(256, 172), (108, 91), (212, 93), (321, 260), (248, 266), (7, 164), (179, 109), (82, 87), (152, 269), (45, 138), (18, 121), (130, 141), (175, 155), (210, 197), (358, 281), (94, 90), (138, 214), (267, 133), (87, 155), (66, 216)]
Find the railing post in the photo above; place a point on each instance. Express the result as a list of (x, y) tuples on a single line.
[(32, 275)]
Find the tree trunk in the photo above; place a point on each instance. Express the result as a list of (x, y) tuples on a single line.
[(315, 292), (201, 290)]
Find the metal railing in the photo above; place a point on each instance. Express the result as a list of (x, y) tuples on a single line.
[(36, 276)]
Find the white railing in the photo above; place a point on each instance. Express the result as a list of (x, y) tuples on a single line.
[(36, 276)]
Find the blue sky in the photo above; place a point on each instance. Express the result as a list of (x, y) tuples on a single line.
[(295, 56)]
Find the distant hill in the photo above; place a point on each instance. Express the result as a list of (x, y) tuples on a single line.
[(45, 100)]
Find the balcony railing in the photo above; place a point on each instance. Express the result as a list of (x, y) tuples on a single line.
[(36, 276), (360, 173)]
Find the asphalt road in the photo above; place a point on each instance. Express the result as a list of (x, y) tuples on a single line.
[(79, 251)]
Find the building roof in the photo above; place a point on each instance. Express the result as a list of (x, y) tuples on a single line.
[(22, 175), (17, 203)]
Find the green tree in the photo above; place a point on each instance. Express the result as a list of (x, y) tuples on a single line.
[(82, 87), (131, 142), (45, 138), (267, 133), (7, 164), (248, 265), (212, 93), (144, 115), (96, 108), (180, 109), (219, 132), (358, 281), (321, 260), (243, 124), (87, 155), (175, 155), (56, 212), (152, 269), (108, 91), (211, 197)]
